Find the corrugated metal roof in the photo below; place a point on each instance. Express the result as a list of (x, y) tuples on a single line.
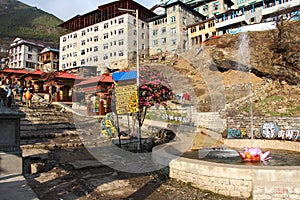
[(104, 78), (122, 76)]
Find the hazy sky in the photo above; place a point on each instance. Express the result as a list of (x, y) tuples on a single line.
[(66, 9)]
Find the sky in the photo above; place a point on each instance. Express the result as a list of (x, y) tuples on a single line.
[(67, 9)]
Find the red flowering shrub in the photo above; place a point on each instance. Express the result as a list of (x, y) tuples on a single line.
[(154, 90)]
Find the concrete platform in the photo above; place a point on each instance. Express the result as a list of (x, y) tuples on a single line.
[(16, 187)]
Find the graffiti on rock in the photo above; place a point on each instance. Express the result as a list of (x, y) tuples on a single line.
[(269, 130), (289, 135)]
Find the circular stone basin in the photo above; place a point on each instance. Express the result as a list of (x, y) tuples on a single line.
[(273, 181), (228, 156)]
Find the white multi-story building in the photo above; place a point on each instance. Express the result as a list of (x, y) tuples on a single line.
[(168, 31), (106, 37), (24, 54)]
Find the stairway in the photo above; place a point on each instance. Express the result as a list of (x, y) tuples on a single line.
[(46, 126)]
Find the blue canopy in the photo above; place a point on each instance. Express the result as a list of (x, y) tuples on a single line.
[(122, 76)]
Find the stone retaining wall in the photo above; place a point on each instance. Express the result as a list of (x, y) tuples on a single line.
[(209, 120), (244, 122), (239, 181)]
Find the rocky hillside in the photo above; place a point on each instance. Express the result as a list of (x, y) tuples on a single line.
[(235, 71), (273, 54), (18, 19)]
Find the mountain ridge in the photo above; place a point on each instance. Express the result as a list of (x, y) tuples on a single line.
[(20, 20)]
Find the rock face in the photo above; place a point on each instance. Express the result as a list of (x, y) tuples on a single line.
[(272, 54)]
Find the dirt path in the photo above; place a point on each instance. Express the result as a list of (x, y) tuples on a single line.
[(63, 179)]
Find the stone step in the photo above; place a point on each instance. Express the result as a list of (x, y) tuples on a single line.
[(57, 120), (37, 127)]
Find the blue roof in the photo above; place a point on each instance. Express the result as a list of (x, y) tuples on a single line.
[(122, 76)]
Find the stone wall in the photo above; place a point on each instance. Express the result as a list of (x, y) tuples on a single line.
[(260, 183), (243, 122), (209, 120)]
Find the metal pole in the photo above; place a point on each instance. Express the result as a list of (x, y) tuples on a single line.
[(138, 77)]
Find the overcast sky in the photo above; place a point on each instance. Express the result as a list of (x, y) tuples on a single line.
[(66, 9)]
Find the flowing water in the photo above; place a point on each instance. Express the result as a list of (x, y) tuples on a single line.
[(244, 65), (279, 157)]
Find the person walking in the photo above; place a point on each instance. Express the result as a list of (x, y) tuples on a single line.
[(28, 96), (21, 91), (9, 95)]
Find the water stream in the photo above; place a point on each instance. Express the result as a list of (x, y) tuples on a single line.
[(244, 65)]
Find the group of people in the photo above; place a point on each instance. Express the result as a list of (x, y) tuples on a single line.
[(10, 91)]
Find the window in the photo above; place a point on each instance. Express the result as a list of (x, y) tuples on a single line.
[(173, 19), (211, 24), (64, 57), (74, 63), (121, 20), (105, 56), (95, 48), (121, 53), (121, 42), (154, 32), (173, 31), (155, 42), (201, 27), (29, 57), (82, 42), (64, 48), (143, 26), (183, 20), (193, 29), (143, 35), (30, 49), (173, 42), (216, 6), (143, 46), (74, 54), (96, 28), (163, 30), (95, 58), (96, 39), (82, 62), (75, 35), (74, 44), (164, 40), (64, 39), (121, 31), (105, 25), (82, 33), (105, 35), (82, 52), (105, 46)]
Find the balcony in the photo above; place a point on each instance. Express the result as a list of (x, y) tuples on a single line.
[(273, 8)]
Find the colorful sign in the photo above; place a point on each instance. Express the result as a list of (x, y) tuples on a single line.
[(126, 99)]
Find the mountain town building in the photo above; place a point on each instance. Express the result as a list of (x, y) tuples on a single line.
[(24, 54), (49, 59), (168, 31), (106, 37)]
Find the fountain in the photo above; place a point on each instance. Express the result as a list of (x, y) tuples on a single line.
[(277, 178)]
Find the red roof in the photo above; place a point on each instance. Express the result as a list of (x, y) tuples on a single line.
[(16, 71), (36, 72), (67, 75), (104, 78)]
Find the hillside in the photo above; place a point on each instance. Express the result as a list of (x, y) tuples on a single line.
[(18, 19), (218, 72)]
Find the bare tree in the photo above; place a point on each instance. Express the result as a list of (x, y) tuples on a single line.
[(286, 45)]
